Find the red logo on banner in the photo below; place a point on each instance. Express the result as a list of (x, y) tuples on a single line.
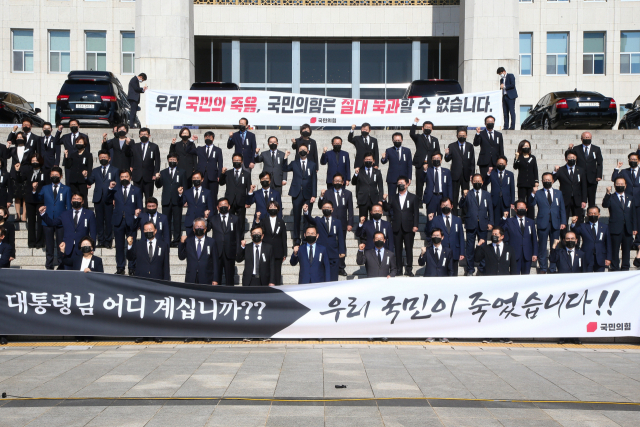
[(313, 120), (592, 326)]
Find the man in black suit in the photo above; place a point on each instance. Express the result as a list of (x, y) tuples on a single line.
[(210, 164), (171, 180), (120, 148), (151, 255), (273, 161), (243, 142), (49, 149), (201, 253), (342, 200), (491, 145), (364, 144), (31, 140), (227, 236), (623, 225), (500, 258), (238, 185), (303, 188), (573, 185), (69, 140), (312, 146), (509, 95), (133, 96), (146, 163), (259, 269), (405, 210), (463, 164), (589, 159), (187, 154), (378, 262), (102, 176), (437, 259), (368, 182), (274, 231), (426, 145)]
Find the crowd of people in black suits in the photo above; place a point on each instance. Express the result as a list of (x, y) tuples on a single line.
[(478, 211)]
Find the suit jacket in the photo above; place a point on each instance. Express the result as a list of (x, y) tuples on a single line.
[(257, 197), (549, 215), (274, 237), (31, 143), (633, 185), (332, 239), (454, 239), (477, 216), (101, 189), (621, 218), (399, 165), (74, 262), (342, 206), (125, 210), (266, 264), (317, 272), (187, 156), (210, 166), (69, 144), (228, 241), (145, 168), (592, 165), (426, 145), (489, 151), (437, 267), (368, 190), (5, 254), (340, 165), (372, 263), (275, 170), (563, 262), (404, 217), (25, 161), (598, 249), (170, 186), (248, 148), (510, 86), (505, 191), (362, 148), (463, 165), (305, 183), (4, 156), (25, 176), (10, 236), (55, 207), (6, 187), (313, 150), (134, 89), (72, 234), (163, 232), (575, 190), (524, 244), (204, 268), (527, 170), (155, 268), (367, 230), (120, 157), (446, 183), (49, 149), (197, 208), (506, 265), (75, 164), (236, 190)]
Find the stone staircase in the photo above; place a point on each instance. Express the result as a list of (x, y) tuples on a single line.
[(547, 146)]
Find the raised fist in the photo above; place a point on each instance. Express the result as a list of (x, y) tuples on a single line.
[(608, 190), (423, 250), (286, 154), (180, 190), (293, 140), (17, 166), (173, 141), (305, 207), (384, 155), (127, 141), (257, 150), (130, 240), (431, 217), (465, 192), (481, 242), (570, 146), (60, 128), (361, 246), (478, 129), (384, 196), (295, 250), (42, 209), (138, 211), (446, 151), (15, 128), (506, 214), (224, 170), (66, 154), (535, 187), (555, 243), (619, 165), (574, 219), (206, 213), (363, 219), (490, 170), (425, 167), (183, 239), (324, 150), (62, 246), (322, 193), (157, 175), (230, 134), (253, 188), (353, 127), (243, 243), (416, 120), (195, 137), (34, 186), (104, 137)]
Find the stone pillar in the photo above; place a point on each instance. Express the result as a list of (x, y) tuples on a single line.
[(164, 44)]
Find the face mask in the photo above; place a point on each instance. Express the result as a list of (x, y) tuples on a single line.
[(55, 179), (521, 212), (477, 185), (265, 184), (305, 134), (152, 212), (76, 205), (173, 164), (122, 133), (526, 150), (47, 132), (570, 244), (302, 153), (144, 139), (586, 141), (401, 187), (337, 186), (19, 141), (436, 240), (257, 238), (149, 235), (490, 126), (501, 167), (242, 128), (397, 144), (224, 210), (237, 165), (376, 216), (364, 134), (26, 129), (196, 182), (495, 239), (337, 148), (310, 239), (199, 232), (446, 210), (272, 212), (274, 147), (104, 162), (547, 184), (35, 165), (368, 164), (124, 182), (74, 129), (426, 131), (436, 162), (327, 212), (462, 139), (379, 243), (80, 147), (593, 218), (620, 188), (633, 164), (208, 141), (86, 249), (571, 162)]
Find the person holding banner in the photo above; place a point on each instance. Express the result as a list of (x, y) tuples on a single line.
[(438, 260), (313, 259), (243, 142), (596, 240), (399, 159), (405, 210), (463, 164), (201, 253), (623, 224), (478, 220), (274, 231), (338, 161), (312, 146), (520, 232), (88, 262), (330, 235), (500, 257), (491, 145), (273, 162), (368, 184), (259, 268), (364, 144), (378, 262), (426, 145), (452, 233), (238, 187), (303, 187), (342, 201), (150, 254), (367, 229)]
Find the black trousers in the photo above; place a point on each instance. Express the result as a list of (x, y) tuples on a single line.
[(132, 113), (174, 216), (485, 178), (591, 194), (278, 271), (572, 210), (104, 222), (623, 240), (392, 188), (298, 202), (120, 233), (456, 263), (229, 267), (457, 185), (343, 262), (241, 213), (146, 187), (35, 235), (51, 233), (419, 183), (406, 238), (213, 187), (82, 189), (523, 194), (365, 210)]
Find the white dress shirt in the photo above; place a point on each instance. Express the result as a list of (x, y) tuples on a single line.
[(402, 198), (500, 246), (273, 220), (85, 263)]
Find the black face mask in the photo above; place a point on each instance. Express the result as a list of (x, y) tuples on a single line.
[(327, 212), (310, 239), (149, 235), (242, 128), (237, 165), (86, 249), (495, 239), (184, 137), (55, 179), (477, 185), (256, 238), (46, 132), (224, 210), (368, 164), (586, 141), (379, 243), (337, 186), (80, 147), (74, 129), (620, 188), (302, 154), (265, 184), (401, 187), (521, 212), (35, 166), (199, 232), (501, 167), (593, 218), (173, 164), (547, 184), (571, 162), (570, 244), (426, 131), (436, 240), (208, 141), (152, 212), (76, 205), (305, 134), (122, 133), (274, 147), (526, 150), (144, 139), (104, 162), (462, 139), (436, 162), (397, 144), (26, 129), (633, 164), (364, 134), (337, 148), (446, 210), (196, 182), (490, 126), (272, 212), (376, 216), (125, 182), (19, 141)]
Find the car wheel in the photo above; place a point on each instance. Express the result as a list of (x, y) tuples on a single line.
[(622, 126), (546, 124)]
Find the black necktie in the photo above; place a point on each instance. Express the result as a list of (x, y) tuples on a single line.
[(586, 152), (436, 178), (199, 248), (327, 221), (73, 139), (593, 231), (125, 194), (549, 197), (55, 193), (501, 178), (273, 158), (237, 175), (461, 147), (224, 223), (448, 225), (491, 136), (379, 257), (435, 252), (104, 171), (377, 225), (571, 174), (256, 260), (369, 172), (266, 195), (498, 251), (311, 254), (75, 218), (478, 197), (197, 194), (304, 167), (150, 250), (521, 225), (173, 174)]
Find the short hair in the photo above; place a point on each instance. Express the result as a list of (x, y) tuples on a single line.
[(520, 201), (427, 122), (273, 202), (571, 232), (171, 155), (570, 152), (183, 129), (80, 137), (433, 230), (365, 125), (374, 206), (210, 133), (237, 155), (334, 139), (106, 152), (380, 233), (91, 242), (503, 158), (123, 125), (489, 117), (27, 119), (339, 175), (77, 194), (74, 120), (500, 70), (310, 226), (302, 143), (256, 227), (305, 126), (327, 202), (476, 174), (500, 229), (368, 154), (272, 136), (126, 171), (402, 177), (196, 172), (593, 207), (200, 219), (263, 174), (56, 169), (461, 129), (147, 223), (397, 134), (632, 154), (47, 123), (222, 199), (436, 153), (151, 200), (147, 130), (445, 200), (245, 120), (547, 173), (620, 178), (143, 75)]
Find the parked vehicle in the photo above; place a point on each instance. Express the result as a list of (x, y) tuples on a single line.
[(13, 108), (631, 119), (432, 87), (94, 98), (214, 86), (572, 110)]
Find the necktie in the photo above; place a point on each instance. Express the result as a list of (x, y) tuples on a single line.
[(173, 174), (478, 197), (491, 136), (304, 167), (144, 150), (237, 175), (448, 225), (208, 152), (197, 194), (571, 257), (224, 223), (593, 231), (399, 155), (150, 250), (379, 257), (75, 219), (521, 225), (461, 147), (73, 139), (571, 174), (266, 195), (549, 197), (377, 225), (436, 178), (586, 152), (273, 158), (55, 192), (622, 200), (498, 251), (501, 178), (633, 175), (310, 254), (104, 171), (337, 157), (327, 221), (242, 135), (369, 172), (199, 248), (256, 260), (124, 192), (435, 251)]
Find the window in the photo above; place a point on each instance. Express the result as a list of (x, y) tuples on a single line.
[(593, 57), (52, 112), (266, 65), (128, 52), (629, 52), (385, 70), (524, 112), (96, 50), (59, 52), (525, 54), (325, 69), (22, 50), (557, 50)]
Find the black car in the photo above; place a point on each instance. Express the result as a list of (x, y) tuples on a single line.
[(214, 86), (432, 87), (13, 108), (572, 110), (94, 98), (631, 119)]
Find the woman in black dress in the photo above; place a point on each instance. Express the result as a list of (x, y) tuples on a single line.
[(79, 164), (527, 167), (20, 156), (30, 174)]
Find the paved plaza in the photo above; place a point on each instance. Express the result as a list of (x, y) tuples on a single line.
[(277, 384)]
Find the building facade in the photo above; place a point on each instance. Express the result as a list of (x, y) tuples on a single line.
[(347, 48)]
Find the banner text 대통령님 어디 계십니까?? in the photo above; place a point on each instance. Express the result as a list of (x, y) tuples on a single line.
[(269, 108)]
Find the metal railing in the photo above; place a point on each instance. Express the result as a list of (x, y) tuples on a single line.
[(331, 2)]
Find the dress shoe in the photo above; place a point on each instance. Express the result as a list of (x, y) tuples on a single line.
[(207, 340), (158, 340), (468, 273), (577, 341), (108, 245), (342, 272), (132, 272), (120, 271), (408, 273), (445, 340), (31, 246), (542, 272), (99, 245), (3, 341)]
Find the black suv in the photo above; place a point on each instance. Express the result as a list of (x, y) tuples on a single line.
[(432, 87), (94, 98)]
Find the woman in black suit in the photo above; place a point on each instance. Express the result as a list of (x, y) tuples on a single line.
[(275, 236), (20, 156), (9, 231), (30, 174), (88, 262), (78, 165), (527, 167)]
